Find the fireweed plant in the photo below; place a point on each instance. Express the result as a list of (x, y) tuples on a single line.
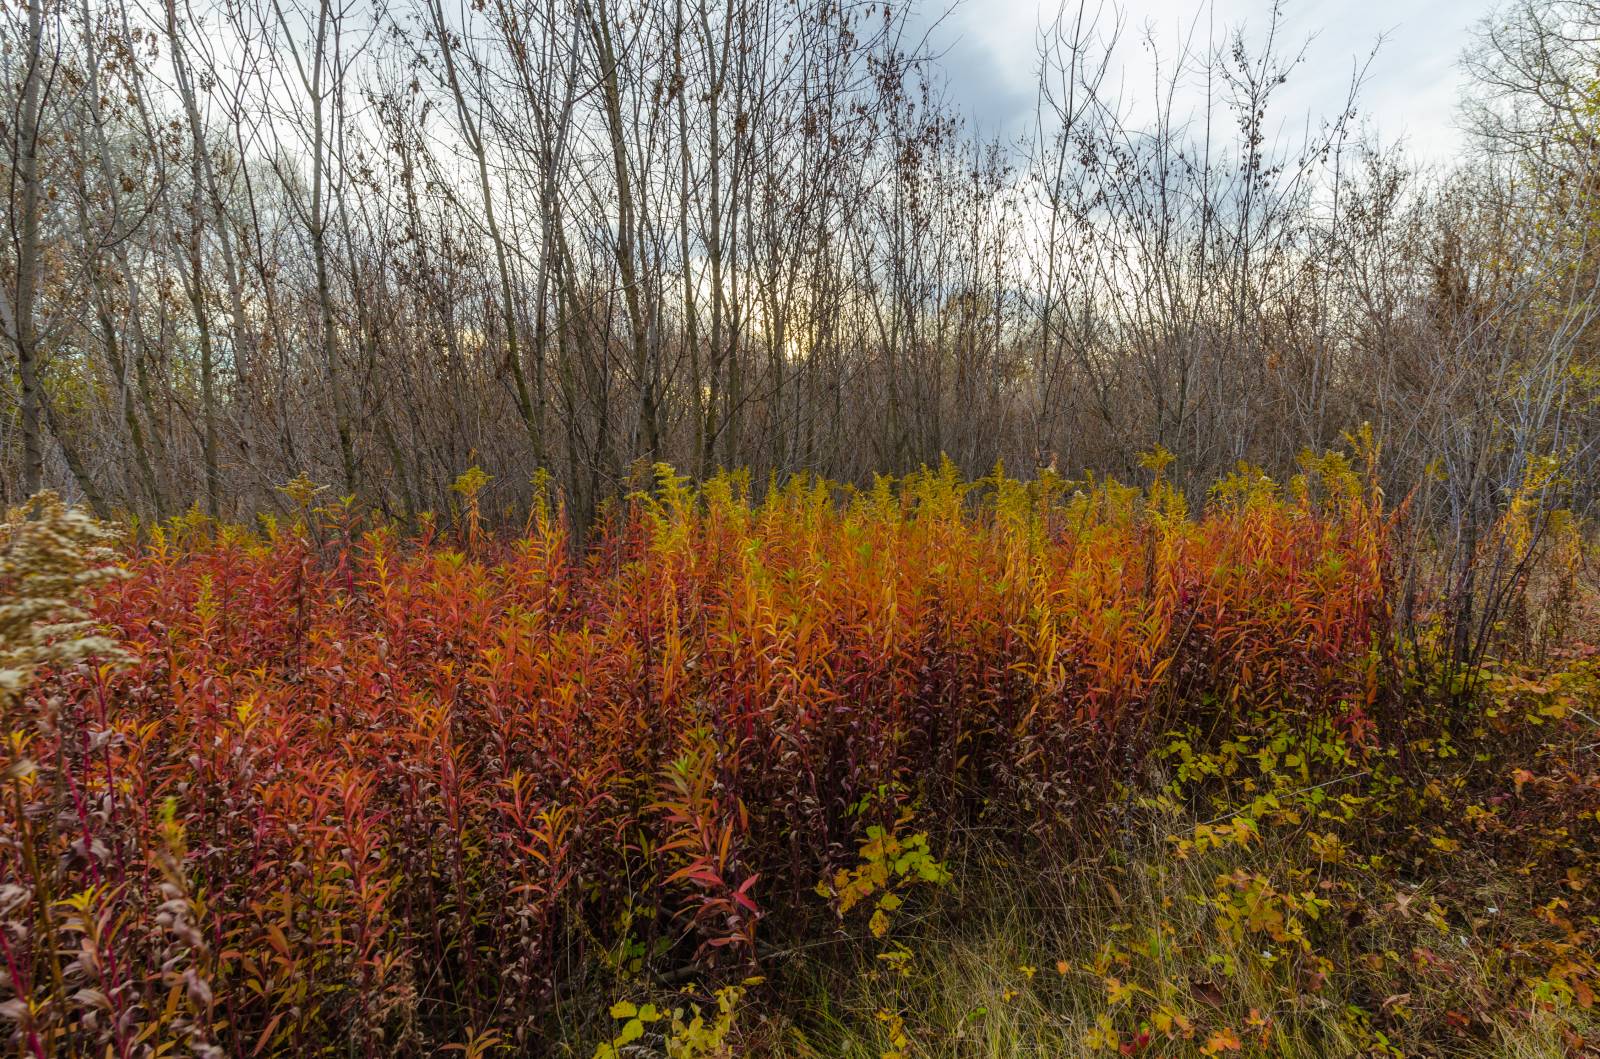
[(341, 790)]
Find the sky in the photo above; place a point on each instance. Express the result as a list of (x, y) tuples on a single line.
[(1411, 93)]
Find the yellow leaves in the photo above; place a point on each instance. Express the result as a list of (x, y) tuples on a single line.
[(1220, 1041), (1445, 845), (301, 490), (1328, 847), (205, 604), (278, 941), (1240, 830), (700, 1038), (829, 888), (1156, 460), (1167, 1019), (1517, 525), (1540, 695), (1247, 903), (1120, 992), (899, 1041), (898, 959), (889, 864), (1102, 1036), (624, 1009), (634, 1019), (689, 1034), (470, 482)]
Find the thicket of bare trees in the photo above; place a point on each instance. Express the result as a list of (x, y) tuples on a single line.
[(378, 243)]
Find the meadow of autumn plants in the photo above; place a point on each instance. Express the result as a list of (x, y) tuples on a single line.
[(934, 768)]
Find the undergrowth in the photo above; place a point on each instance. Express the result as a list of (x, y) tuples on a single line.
[(1280, 896), (935, 768)]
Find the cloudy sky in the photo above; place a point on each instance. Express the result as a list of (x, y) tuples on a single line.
[(1411, 92)]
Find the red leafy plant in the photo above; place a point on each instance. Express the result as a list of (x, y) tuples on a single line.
[(353, 792)]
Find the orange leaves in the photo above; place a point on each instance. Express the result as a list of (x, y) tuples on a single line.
[(704, 839), (1221, 1042), (415, 776)]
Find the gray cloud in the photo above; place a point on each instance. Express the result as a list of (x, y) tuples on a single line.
[(1412, 86)]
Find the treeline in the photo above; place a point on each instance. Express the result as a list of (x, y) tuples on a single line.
[(378, 243)]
